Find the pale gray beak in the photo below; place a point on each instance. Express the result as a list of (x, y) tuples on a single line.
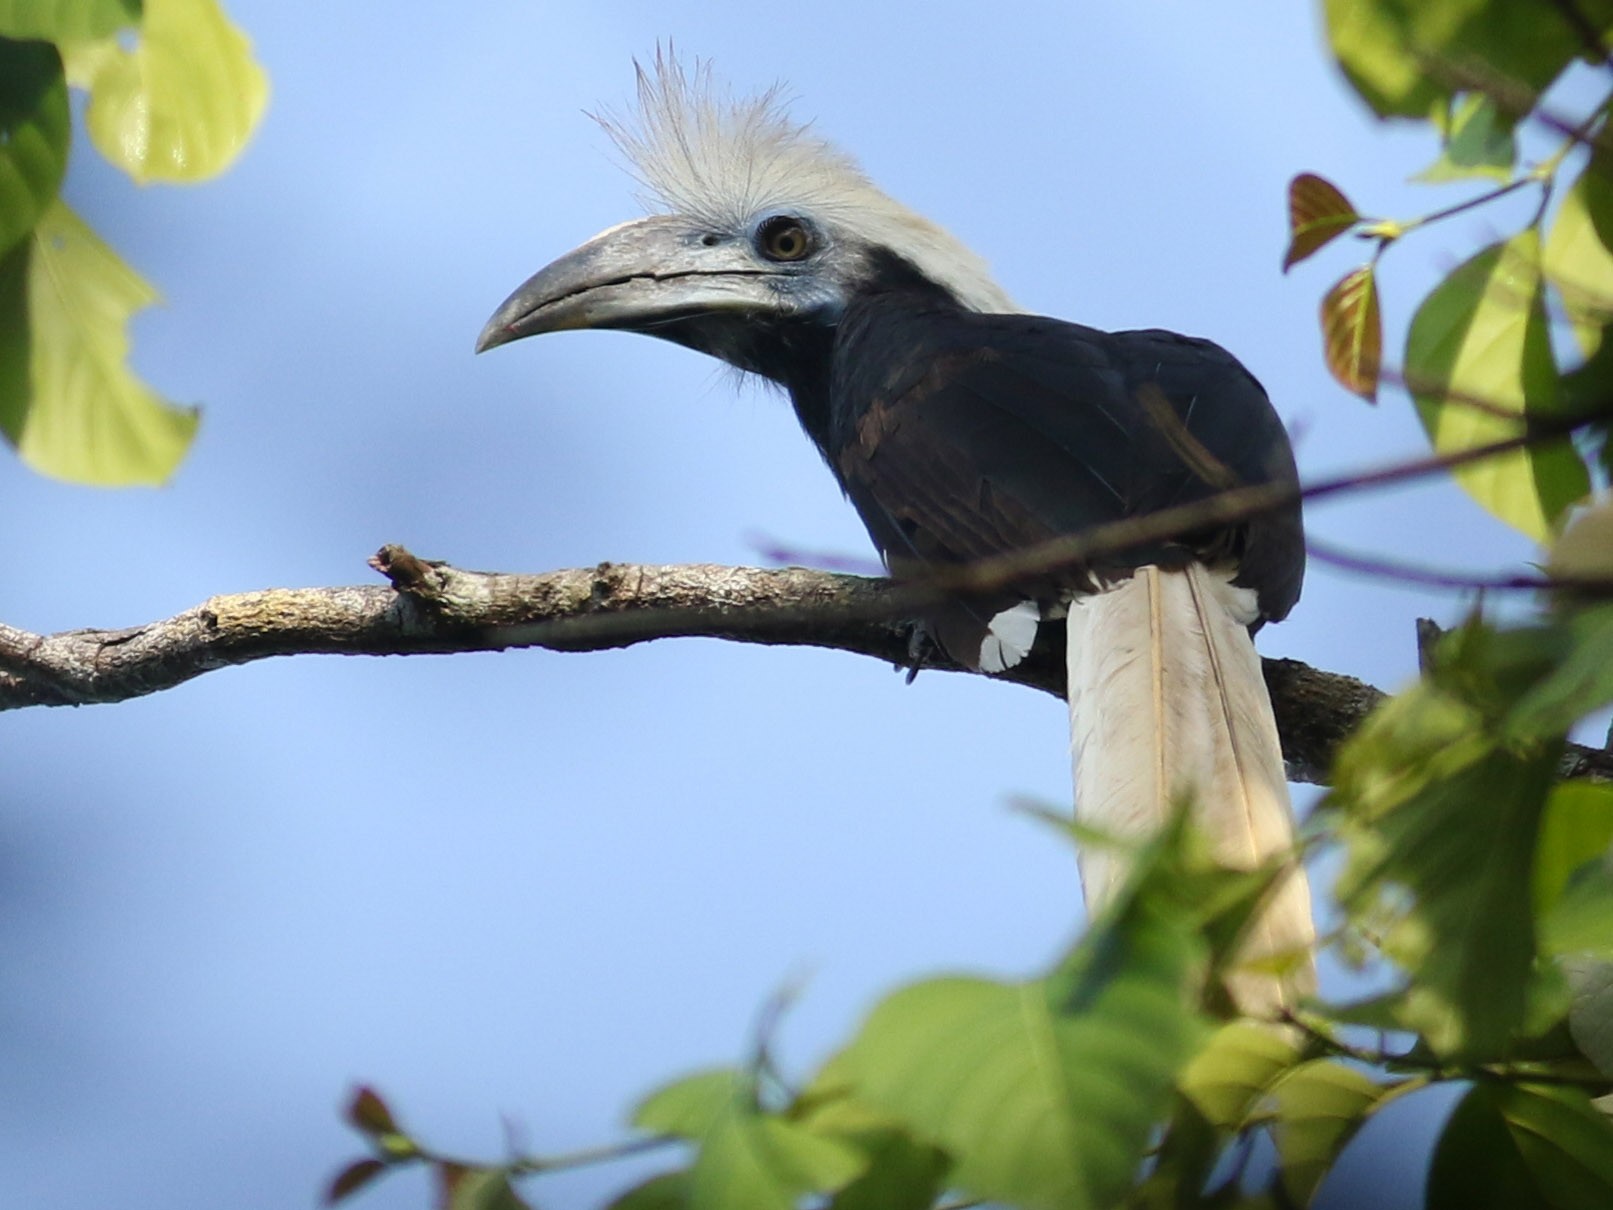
[(638, 276)]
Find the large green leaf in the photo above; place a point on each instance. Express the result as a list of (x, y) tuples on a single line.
[(1045, 1093), (1439, 822), (1478, 357), (1578, 256), (1404, 56), (66, 20), (182, 103), (747, 1158), (1318, 1107), (1515, 1147), (34, 127), (68, 401)]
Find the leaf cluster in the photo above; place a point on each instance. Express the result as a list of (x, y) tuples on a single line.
[(1479, 360), (174, 94), (1474, 883)]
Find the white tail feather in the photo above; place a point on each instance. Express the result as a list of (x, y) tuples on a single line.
[(1167, 699)]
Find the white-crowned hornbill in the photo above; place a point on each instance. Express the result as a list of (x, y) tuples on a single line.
[(960, 429)]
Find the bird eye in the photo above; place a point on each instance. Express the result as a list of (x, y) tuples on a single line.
[(783, 238)]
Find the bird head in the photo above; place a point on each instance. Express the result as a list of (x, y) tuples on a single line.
[(762, 232)]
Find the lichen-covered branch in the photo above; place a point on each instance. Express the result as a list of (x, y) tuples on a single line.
[(431, 607)]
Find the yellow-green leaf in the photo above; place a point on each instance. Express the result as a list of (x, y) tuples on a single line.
[(1478, 359), (1225, 1081), (66, 20), (1476, 142), (746, 1158), (1578, 257), (1319, 1106), (1318, 213), (1352, 332), (664, 1191), (33, 135), (1403, 56), (181, 104), (68, 400), (1576, 829)]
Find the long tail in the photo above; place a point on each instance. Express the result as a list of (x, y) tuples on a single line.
[(1167, 698)]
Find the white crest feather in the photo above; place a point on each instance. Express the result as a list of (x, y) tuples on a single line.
[(723, 160)]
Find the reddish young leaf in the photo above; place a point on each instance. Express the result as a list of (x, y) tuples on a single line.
[(1317, 214), (369, 1113), (1352, 332), (353, 1178)]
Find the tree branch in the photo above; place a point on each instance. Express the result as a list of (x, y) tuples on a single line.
[(432, 607)]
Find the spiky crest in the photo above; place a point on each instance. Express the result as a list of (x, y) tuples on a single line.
[(722, 160)]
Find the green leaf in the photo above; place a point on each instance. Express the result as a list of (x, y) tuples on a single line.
[(664, 1191), (747, 1159), (1318, 213), (1477, 143), (33, 135), (1424, 792), (68, 401), (1577, 680), (1510, 1146), (1590, 1012), (66, 20), (903, 1173), (1578, 257), (1581, 921), (1478, 356), (463, 1188), (1228, 1077), (687, 1106), (1352, 332), (1403, 56), (1577, 829), (1045, 1093), (1318, 1108), (182, 104)]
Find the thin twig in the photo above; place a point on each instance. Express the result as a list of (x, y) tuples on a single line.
[(1384, 568)]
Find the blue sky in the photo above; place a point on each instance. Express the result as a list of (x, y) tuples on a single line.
[(532, 886)]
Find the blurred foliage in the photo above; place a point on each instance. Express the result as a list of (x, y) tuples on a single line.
[(1473, 878), (174, 94)]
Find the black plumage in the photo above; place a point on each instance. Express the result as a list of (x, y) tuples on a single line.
[(959, 435)]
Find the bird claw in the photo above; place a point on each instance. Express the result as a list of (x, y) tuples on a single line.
[(921, 649)]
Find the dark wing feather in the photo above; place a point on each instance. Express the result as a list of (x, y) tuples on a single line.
[(960, 435)]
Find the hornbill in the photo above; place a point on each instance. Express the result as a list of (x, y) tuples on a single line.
[(961, 428)]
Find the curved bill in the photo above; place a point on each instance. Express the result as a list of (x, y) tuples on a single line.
[(639, 276)]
